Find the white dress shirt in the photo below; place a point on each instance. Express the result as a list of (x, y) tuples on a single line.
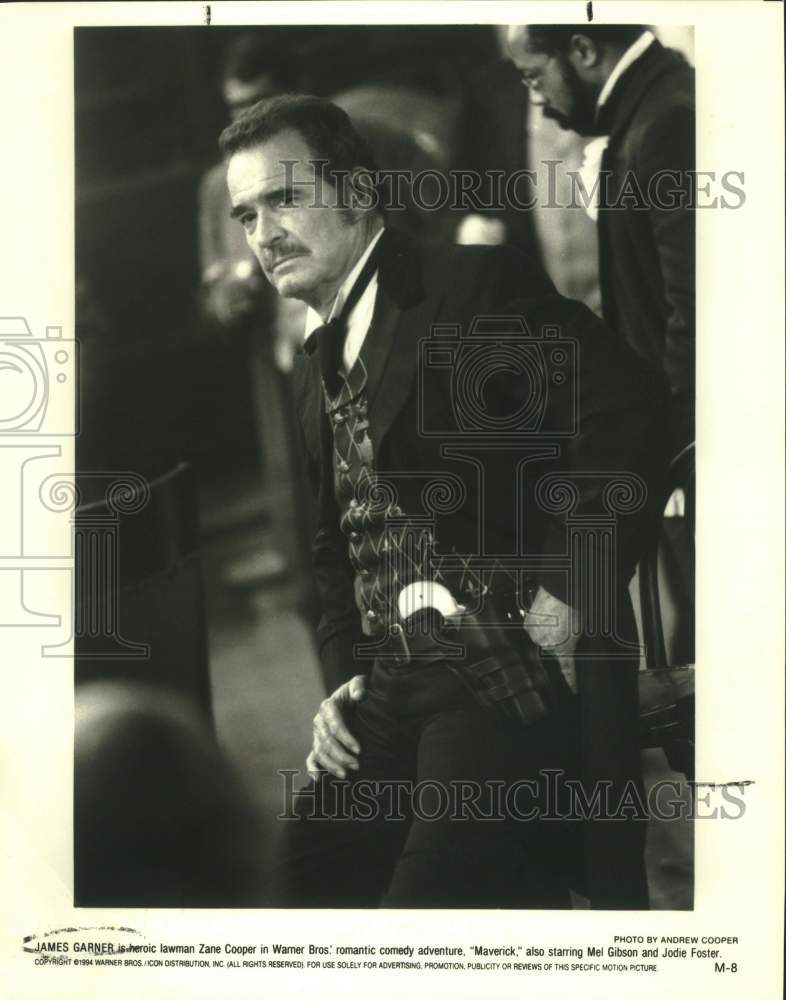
[(629, 56), (593, 151), (359, 319)]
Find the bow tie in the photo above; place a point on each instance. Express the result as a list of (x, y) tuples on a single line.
[(330, 339)]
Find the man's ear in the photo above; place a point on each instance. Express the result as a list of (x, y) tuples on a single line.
[(584, 53)]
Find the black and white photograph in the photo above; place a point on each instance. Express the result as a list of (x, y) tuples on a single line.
[(373, 502)]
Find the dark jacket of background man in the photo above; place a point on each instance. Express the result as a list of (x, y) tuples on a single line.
[(647, 256)]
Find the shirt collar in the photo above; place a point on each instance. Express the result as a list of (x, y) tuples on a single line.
[(627, 59), (313, 319)]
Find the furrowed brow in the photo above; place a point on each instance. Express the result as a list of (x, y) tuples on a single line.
[(270, 197), (285, 190)]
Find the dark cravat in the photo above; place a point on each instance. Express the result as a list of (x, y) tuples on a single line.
[(331, 336)]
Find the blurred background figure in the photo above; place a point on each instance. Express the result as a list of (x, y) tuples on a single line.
[(160, 817), (236, 303), (619, 100), (616, 94), (628, 103)]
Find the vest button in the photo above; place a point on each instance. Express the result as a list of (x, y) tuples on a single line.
[(372, 615), (343, 466), (355, 536), (338, 418)]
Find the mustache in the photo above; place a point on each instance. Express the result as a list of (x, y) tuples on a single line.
[(278, 253)]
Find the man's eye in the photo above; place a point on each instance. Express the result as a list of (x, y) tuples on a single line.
[(248, 222)]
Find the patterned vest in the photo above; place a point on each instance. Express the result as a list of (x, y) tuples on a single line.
[(364, 516), (388, 550)]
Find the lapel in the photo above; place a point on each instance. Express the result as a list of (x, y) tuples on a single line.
[(629, 92), (307, 391), (402, 316)]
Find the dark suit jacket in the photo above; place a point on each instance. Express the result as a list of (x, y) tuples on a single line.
[(647, 254), (619, 404)]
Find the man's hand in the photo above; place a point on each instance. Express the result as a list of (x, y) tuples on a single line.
[(550, 623), (333, 747)]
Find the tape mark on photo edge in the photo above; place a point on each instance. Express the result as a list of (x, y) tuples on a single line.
[(723, 784), (76, 930)]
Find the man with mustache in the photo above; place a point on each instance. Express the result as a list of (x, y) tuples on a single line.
[(619, 85), (433, 499)]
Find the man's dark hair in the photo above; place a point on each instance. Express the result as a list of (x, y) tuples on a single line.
[(327, 130), (553, 39)]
